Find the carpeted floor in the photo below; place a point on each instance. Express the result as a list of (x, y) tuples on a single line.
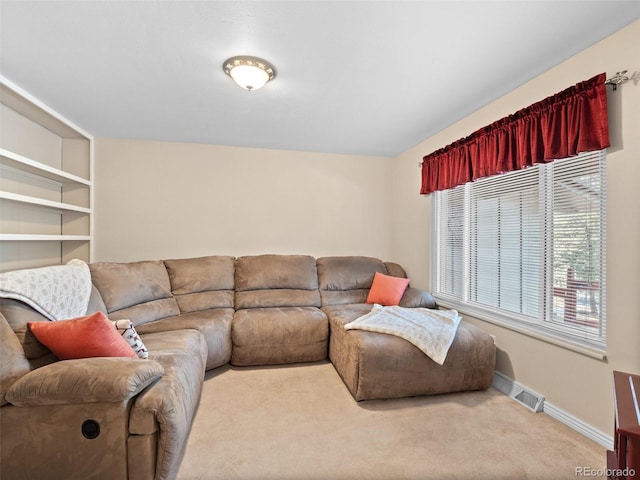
[(299, 422)]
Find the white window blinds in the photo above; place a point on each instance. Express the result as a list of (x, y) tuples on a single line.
[(528, 246)]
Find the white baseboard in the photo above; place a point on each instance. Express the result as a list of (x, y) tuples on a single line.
[(579, 426), (506, 385)]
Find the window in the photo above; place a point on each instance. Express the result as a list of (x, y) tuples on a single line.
[(527, 248)]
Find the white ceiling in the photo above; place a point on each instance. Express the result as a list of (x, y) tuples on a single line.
[(356, 77)]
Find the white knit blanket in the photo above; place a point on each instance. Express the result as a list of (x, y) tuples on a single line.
[(432, 331), (57, 292)]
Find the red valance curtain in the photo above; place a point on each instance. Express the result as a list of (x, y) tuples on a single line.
[(563, 125)]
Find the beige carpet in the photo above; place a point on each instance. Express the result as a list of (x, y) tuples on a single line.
[(299, 422)]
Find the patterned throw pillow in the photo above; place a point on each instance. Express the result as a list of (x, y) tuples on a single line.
[(128, 332)]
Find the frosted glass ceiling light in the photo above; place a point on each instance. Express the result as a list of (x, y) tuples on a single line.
[(250, 73)]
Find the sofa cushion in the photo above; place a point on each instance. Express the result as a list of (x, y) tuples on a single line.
[(148, 312), (395, 269), (88, 336), (202, 283), (18, 315), (416, 298), (139, 291), (276, 271), (214, 324), (13, 362), (276, 281), (344, 280), (277, 297), (263, 336), (387, 290)]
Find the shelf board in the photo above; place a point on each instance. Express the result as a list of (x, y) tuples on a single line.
[(15, 197), (21, 237), (15, 160)]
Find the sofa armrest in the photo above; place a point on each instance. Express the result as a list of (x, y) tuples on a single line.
[(415, 298), (88, 380)]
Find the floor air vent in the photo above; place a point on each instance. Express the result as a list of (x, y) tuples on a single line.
[(530, 400), (526, 397)]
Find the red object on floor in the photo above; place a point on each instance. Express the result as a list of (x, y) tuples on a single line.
[(623, 461)]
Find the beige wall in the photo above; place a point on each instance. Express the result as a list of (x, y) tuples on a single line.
[(157, 200), (161, 200), (575, 383)]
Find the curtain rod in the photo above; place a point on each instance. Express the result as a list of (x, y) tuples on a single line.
[(618, 79)]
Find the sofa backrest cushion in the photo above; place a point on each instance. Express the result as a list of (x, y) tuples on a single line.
[(139, 291), (416, 298), (276, 281), (18, 315), (13, 362), (395, 270), (347, 279), (202, 283)]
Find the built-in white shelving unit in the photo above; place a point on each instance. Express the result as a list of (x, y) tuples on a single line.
[(10, 159), (46, 172)]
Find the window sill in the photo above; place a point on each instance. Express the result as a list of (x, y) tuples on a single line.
[(538, 334)]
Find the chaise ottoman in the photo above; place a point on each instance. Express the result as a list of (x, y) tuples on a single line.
[(377, 365)]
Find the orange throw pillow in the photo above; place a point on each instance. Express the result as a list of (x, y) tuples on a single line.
[(89, 336), (387, 290)]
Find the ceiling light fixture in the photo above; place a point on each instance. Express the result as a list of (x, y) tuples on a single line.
[(250, 73)]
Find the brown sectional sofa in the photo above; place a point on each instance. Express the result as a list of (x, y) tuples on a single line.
[(195, 315)]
